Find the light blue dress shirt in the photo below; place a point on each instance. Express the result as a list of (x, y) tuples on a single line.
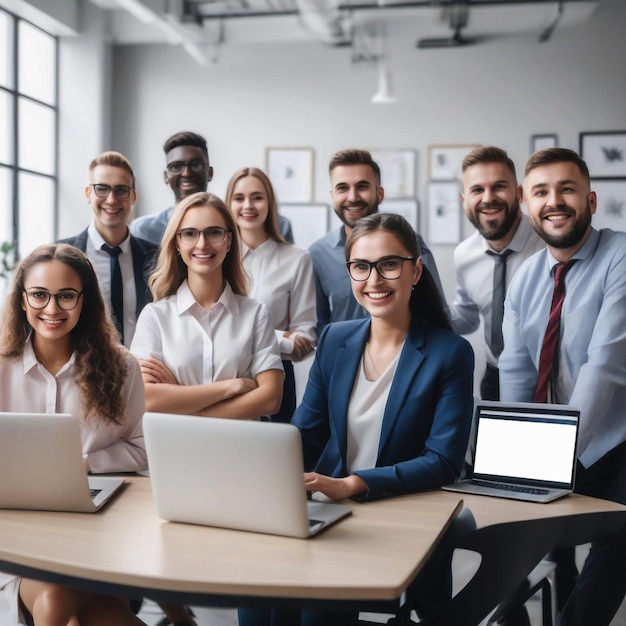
[(592, 363), (333, 290)]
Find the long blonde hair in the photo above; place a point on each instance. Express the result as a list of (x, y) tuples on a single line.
[(170, 271)]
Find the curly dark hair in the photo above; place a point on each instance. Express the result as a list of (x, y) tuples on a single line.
[(100, 358)]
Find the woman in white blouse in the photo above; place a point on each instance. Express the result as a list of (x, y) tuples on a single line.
[(203, 346), (281, 274), (59, 353)]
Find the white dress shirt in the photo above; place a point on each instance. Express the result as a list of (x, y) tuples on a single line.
[(234, 339), (474, 279), (101, 262), (281, 276)]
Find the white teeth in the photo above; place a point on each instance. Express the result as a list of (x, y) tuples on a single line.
[(556, 218), (378, 296)]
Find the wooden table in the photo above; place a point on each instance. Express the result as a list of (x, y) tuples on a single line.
[(366, 561)]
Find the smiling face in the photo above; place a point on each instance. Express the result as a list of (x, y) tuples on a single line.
[(355, 192), (380, 297), (51, 323), (111, 213), (491, 200), (194, 177), (560, 205), (249, 204), (203, 259)]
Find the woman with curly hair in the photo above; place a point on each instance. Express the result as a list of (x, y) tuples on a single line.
[(59, 353)]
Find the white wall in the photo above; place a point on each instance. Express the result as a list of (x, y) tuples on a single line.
[(304, 94)]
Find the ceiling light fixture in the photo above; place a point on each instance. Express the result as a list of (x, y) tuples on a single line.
[(384, 95)]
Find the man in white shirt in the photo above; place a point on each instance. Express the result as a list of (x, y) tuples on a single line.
[(486, 262), (110, 246)]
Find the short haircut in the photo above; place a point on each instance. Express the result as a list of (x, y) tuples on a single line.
[(556, 155), (488, 154), (186, 138), (113, 159), (354, 156)]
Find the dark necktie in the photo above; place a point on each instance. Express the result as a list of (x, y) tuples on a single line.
[(117, 288), (497, 300), (548, 356)]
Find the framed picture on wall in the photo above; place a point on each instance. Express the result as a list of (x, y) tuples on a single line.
[(291, 173), (407, 207), (397, 172), (309, 221), (611, 211), (444, 161), (604, 153), (541, 142), (444, 212)]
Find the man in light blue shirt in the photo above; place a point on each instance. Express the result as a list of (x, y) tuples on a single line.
[(590, 369), (188, 170), (356, 191)]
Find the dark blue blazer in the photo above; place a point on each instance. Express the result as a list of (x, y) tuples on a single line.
[(144, 255), (427, 417)]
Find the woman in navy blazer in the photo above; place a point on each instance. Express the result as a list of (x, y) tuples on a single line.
[(411, 433)]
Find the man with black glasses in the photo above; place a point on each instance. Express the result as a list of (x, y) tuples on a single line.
[(187, 170), (121, 261)]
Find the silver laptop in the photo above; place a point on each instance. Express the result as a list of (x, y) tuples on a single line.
[(42, 468), (237, 474), (523, 451)]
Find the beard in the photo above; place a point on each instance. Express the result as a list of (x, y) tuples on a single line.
[(575, 233), (496, 231), (344, 215)]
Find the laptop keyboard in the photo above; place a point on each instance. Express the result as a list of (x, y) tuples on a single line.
[(509, 487), (314, 522), (94, 492)]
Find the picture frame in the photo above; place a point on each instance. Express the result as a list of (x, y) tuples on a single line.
[(444, 212), (611, 209), (291, 171), (542, 142), (309, 221), (604, 153), (407, 207), (444, 161), (398, 171)]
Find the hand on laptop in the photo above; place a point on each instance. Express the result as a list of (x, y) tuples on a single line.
[(334, 488)]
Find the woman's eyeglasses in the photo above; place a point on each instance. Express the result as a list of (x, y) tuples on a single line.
[(66, 300), (389, 267), (120, 192), (213, 235), (195, 165)]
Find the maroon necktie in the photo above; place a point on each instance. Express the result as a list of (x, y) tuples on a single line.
[(551, 338)]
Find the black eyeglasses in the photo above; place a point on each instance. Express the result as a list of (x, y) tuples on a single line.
[(389, 267), (212, 234), (195, 165), (120, 192), (67, 300)]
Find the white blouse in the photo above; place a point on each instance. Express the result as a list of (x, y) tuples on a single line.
[(281, 276), (232, 340), (28, 387)]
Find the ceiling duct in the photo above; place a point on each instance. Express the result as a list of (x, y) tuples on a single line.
[(326, 21), (457, 20)]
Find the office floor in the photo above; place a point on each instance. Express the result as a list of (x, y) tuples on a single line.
[(464, 566)]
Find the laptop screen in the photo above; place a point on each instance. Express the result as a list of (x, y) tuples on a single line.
[(531, 444)]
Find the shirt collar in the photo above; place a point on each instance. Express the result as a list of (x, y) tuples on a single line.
[(339, 237), (98, 241), (29, 358), (266, 249), (518, 241), (583, 253), (185, 299)]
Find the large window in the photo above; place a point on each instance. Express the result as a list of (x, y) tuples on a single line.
[(28, 133)]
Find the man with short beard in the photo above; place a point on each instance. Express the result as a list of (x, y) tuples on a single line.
[(356, 191), (491, 200), (588, 366)]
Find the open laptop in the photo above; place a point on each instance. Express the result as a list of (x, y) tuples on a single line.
[(42, 468), (523, 451), (237, 474)]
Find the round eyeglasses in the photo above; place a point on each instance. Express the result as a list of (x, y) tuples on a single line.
[(212, 234), (67, 300), (120, 192), (389, 267), (195, 165)]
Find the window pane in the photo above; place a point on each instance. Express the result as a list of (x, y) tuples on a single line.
[(36, 63), (36, 219), (6, 127), (6, 204), (6, 49), (36, 136)]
